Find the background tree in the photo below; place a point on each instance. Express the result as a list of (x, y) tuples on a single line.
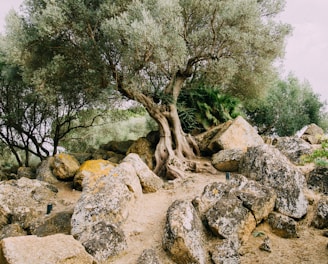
[(149, 51), (31, 123), (289, 106)]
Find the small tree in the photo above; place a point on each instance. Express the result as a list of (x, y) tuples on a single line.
[(148, 50)]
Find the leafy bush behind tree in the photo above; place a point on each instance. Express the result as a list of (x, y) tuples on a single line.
[(201, 107)]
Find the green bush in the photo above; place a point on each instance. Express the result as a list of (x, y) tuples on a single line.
[(319, 156)]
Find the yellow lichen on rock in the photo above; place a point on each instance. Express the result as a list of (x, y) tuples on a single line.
[(93, 169)]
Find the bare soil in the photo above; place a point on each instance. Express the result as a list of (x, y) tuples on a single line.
[(145, 226)]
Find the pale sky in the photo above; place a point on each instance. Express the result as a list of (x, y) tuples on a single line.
[(306, 50)]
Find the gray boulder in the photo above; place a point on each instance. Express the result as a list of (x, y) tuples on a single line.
[(226, 252), (211, 194), (282, 225), (59, 248), (318, 180), (44, 171), (233, 134), (183, 235), (57, 222), (148, 256), (227, 160), (229, 219), (320, 219), (293, 148), (25, 200), (101, 209), (259, 199), (312, 134), (149, 181), (271, 168)]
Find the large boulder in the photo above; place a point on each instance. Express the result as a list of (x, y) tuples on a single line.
[(229, 219), (259, 199), (148, 256), (282, 225), (234, 134), (65, 166), (144, 149), (98, 215), (271, 168), (24, 201), (92, 168), (320, 219), (227, 160), (59, 248), (44, 171), (183, 235), (318, 180), (149, 181), (312, 134), (226, 252), (293, 148), (57, 222)]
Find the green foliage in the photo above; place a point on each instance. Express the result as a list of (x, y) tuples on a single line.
[(202, 107), (318, 156), (289, 106)]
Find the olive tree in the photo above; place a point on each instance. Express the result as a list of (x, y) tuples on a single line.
[(149, 51)]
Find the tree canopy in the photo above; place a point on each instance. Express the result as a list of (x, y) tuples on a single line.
[(148, 50)]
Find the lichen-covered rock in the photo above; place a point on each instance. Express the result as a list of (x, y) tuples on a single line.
[(234, 134), (126, 172), (320, 219), (283, 225), (149, 181), (226, 252), (183, 235), (59, 248), (293, 148), (92, 168), (318, 180), (312, 134), (58, 222), (271, 168), (102, 207), (24, 200), (227, 160), (229, 219), (259, 199), (210, 195), (148, 256), (144, 149), (105, 240), (44, 171), (65, 166)]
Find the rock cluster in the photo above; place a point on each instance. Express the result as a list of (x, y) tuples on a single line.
[(265, 185)]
